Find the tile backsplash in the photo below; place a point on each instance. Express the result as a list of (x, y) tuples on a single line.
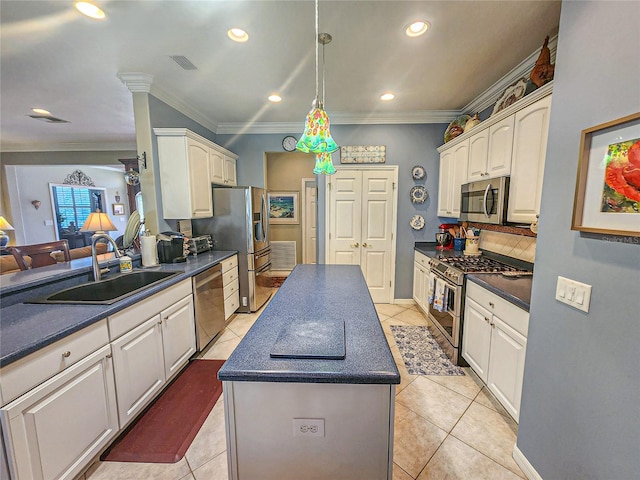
[(515, 246)]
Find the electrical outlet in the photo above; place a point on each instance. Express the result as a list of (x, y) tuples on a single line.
[(308, 427), (244, 301), (574, 294)]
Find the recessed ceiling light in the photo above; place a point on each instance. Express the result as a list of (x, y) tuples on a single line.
[(41, 111), (387, 96), (416, 29), (90, 10), (238, 35), (275, 98)]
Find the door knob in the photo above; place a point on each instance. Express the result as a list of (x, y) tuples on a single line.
[(355, 245)]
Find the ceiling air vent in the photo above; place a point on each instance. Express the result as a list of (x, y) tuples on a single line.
[(184, 62), (49, 119)]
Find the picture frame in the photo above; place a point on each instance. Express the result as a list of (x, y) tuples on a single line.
[(118, 208), (607, 195), (283, 208), (363, 154)]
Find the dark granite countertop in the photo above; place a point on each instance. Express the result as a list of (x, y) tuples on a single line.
[(313, 293), (26, 328), (516, 290)]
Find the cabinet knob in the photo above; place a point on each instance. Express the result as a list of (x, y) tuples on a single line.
[(487, 320), (109, 355), (491, 304), (66, 354), (365, 245), (355, 245)]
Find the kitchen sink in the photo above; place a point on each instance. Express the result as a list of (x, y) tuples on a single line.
[(106, 292)]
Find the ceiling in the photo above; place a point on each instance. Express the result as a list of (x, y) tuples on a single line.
[(54, 58)]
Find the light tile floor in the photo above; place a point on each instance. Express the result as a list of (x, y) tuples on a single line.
[(445, 427)]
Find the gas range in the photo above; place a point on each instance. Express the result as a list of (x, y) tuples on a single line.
[(454, 268)]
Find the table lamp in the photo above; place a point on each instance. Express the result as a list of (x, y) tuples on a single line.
[(98, 222), (4, 225)]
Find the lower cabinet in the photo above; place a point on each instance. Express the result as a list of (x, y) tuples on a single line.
[(54, 430), (231, 285), (151, 353), (421, 281), (494, 343)]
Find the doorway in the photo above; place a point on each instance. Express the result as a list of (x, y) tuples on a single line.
[(309, 220), (361, 206)]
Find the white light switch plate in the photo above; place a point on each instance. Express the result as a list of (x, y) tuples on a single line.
[(574, 294)]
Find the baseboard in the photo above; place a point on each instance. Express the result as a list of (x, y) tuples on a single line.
[(404, 301), (524, 465)]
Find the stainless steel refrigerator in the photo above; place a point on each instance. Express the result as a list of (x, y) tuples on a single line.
[(241, 222)]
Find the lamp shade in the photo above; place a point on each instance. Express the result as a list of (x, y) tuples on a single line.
[(98, 222), (316, 137), (324, 164), (4, 225)]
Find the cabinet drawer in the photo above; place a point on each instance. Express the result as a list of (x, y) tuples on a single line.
[(229, 263), (421, 259), (515, 317), (130, 318), (229, 276), (28, 372), (231, 304), (231, 288)]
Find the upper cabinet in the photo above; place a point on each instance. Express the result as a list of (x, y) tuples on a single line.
[(527, 165), (187, 162), (453, 173), (512, 142), (223, 168)]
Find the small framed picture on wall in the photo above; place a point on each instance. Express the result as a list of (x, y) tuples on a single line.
[(283, 208), (118, 208)]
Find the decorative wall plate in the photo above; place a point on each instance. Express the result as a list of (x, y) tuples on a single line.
[(417, 222), (418, 194), (456, 127), (418, 172), (511, 95)]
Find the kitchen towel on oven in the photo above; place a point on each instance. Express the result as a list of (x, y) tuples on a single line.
[(438, 295), (432, 280)]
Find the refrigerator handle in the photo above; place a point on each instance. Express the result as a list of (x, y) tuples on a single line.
[(265, 219)]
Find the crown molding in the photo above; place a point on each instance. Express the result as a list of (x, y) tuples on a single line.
[(136, 82), (523, 69), (70, 147), (184, 108)]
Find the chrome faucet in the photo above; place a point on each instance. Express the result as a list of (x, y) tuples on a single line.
[(97, 272)]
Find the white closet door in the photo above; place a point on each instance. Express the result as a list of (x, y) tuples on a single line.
[(345, 212), (377, 217)]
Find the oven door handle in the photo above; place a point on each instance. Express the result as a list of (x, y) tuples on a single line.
[(484, 201)]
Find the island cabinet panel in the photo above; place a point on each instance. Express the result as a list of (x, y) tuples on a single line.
[(354, 440), (54, 430)]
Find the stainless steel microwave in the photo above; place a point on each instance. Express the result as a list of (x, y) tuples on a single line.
[(485, 201)]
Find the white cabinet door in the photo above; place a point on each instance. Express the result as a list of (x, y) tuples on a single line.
[(459, 176), (476, 338), (506, 366), (527, 167), (418, 284), (139, 368), (478, 154), (444, 184), (54, 430), (230, 171), (500, 148), (217, 167), (199, 176), (178, 335)]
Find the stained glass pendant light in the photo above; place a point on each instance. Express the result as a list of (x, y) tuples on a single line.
[(324, 164), (317, 137)]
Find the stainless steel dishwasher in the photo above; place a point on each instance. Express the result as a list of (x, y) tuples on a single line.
[(209, 305)]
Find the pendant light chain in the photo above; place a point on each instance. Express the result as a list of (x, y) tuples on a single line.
[(316, 42)]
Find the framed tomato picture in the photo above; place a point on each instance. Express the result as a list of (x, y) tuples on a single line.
[(607, 197)]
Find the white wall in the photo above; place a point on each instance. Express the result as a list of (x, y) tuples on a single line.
[(26, 183)]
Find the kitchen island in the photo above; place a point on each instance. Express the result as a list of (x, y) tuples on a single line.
[(312, 418)]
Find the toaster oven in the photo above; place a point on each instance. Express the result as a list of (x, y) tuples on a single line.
[(199, 244)]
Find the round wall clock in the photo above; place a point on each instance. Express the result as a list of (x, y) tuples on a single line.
[(289, 143)]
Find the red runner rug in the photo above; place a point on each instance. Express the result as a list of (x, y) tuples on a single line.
[(164, 432)]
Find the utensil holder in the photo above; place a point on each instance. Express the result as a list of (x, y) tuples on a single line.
[(472, 244), (458, 244)]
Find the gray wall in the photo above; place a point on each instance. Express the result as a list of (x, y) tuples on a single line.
[(407, 145), (580, 416)]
